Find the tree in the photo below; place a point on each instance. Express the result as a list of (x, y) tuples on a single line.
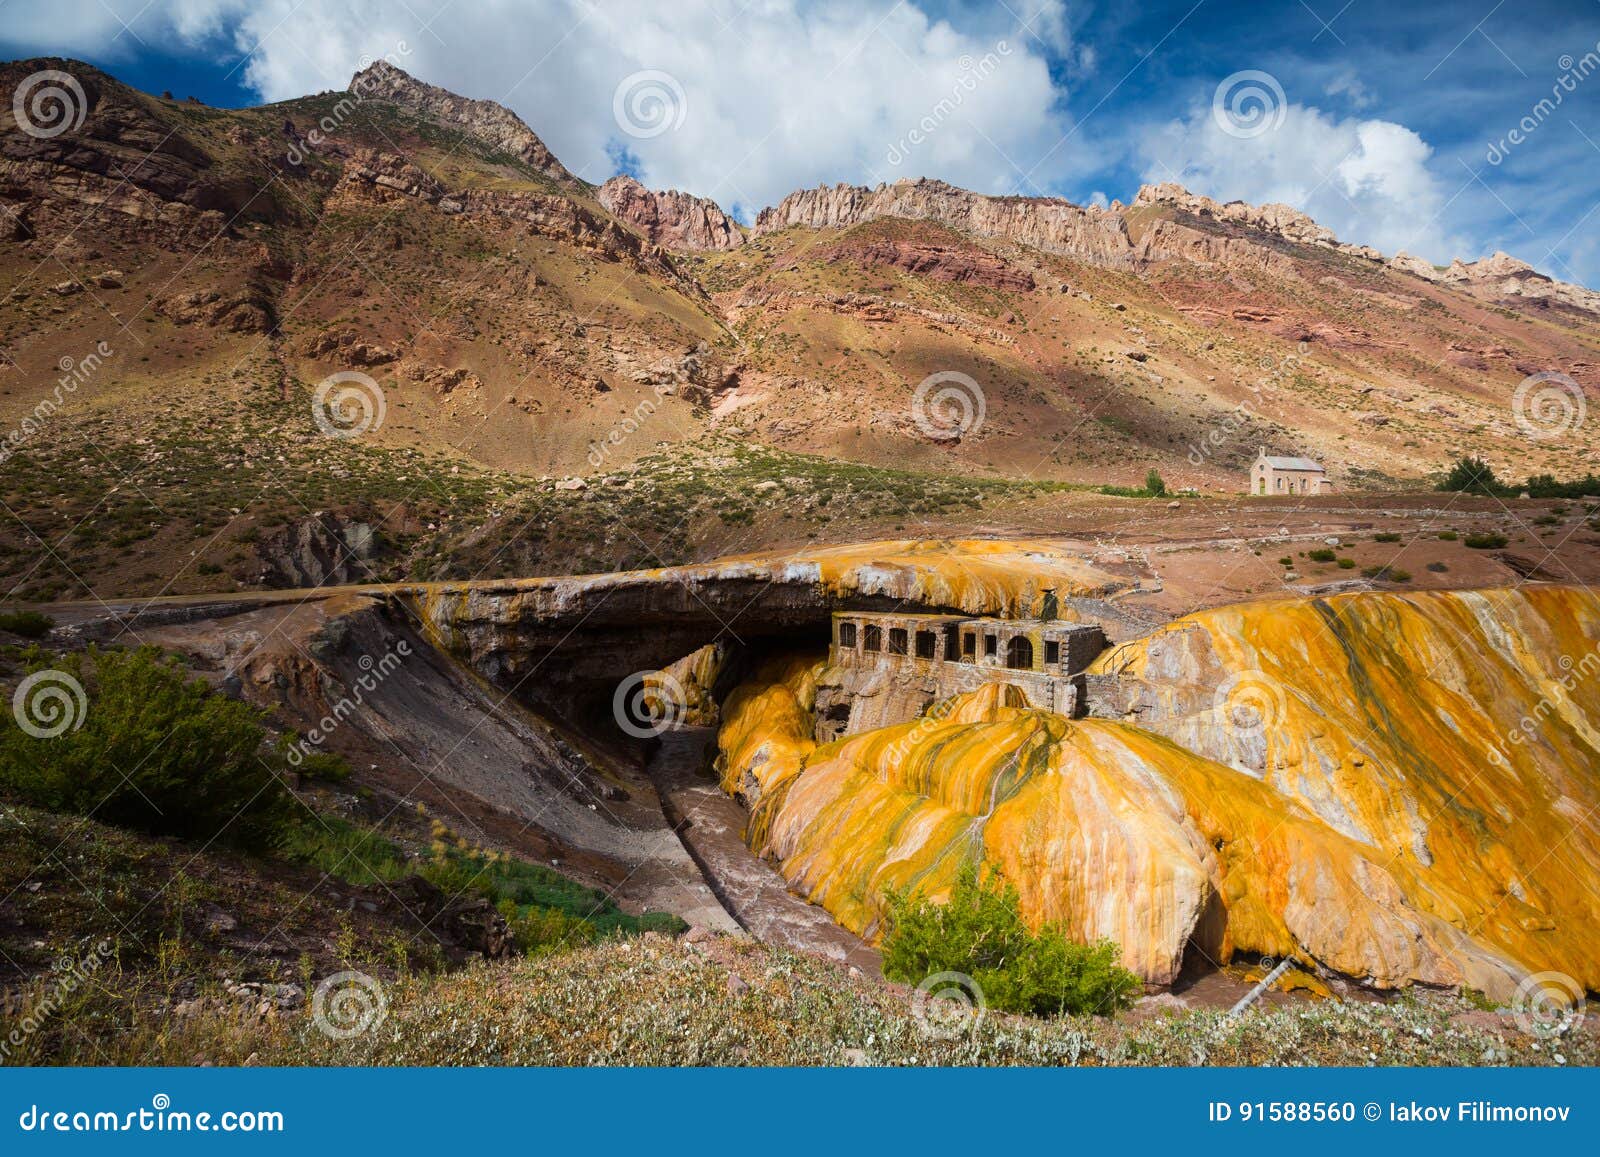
[(1155, 484), (1472, 475)]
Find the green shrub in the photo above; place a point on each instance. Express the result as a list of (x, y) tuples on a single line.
[(1471, 475), (1485, 541), (1155, 485), (1386, 536), (1286, 561), (146, 748), (1448, 535), (1437, 567), (979, 932), (1387, 574), (28, 624), (1347, 564), (1321, 555)]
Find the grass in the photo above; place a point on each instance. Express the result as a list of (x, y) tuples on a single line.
[(362, 855), (653, 1001)]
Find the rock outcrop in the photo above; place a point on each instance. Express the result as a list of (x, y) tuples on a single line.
[(1501, 276), (491, 123), (1098, 236), (670, 218), (964, 265)]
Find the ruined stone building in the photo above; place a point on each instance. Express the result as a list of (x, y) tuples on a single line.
[(886, 668)]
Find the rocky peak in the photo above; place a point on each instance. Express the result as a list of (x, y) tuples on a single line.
[(669, 218), (492, 123), (1281, 220), (1050, 224)]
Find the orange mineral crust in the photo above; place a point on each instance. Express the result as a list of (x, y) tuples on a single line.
[(1393, 788)]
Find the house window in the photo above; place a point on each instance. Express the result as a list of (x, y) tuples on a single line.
[(991, 645), (1280, 484), (1052, 652), (927, 644), (969, 646), (872, 638), (847, 635), (897, 640), (1019, 653)]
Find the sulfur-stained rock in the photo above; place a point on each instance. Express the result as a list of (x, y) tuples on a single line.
[(1394, 788)]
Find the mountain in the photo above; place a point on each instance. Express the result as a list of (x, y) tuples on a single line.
[(183, 278)]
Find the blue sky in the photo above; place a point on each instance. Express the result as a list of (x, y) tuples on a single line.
[(1390, 122)]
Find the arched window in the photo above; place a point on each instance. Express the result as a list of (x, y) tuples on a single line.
[(847, 635), (1019, 653)]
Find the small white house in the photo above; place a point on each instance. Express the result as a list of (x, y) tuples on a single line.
[(1270, 475)]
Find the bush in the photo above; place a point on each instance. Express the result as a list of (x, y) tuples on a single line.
[(1387, 574), (1347, 564), (146, 748), (1437, 567), (1448, 535), (1155, 485), (979, 932), (28, 624), (1386, 536), (1485, 541), (1470, 475), (1322, 555)]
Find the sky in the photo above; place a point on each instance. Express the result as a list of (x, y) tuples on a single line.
[(1442, 129)]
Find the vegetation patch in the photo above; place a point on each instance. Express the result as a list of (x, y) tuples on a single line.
[(979, 932)]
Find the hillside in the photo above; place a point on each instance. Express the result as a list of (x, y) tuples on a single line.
[(183, 278)]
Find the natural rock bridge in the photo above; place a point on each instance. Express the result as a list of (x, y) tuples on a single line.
[(564, 643)]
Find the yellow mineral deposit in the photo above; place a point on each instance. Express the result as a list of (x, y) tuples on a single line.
[(1394, 788)]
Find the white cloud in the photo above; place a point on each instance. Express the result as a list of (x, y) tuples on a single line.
[(1368, 180), (779, 93)]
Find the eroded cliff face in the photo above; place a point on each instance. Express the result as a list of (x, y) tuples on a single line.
[(670, 218), (1356, 821), (1098, 236)]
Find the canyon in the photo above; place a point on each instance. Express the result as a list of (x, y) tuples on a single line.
[(625, 459)]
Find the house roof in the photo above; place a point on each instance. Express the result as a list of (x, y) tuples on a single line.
[(1293, 464)]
